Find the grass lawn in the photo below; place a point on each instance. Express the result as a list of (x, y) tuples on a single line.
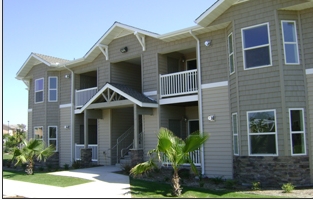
[(147, 189), (44, 178)]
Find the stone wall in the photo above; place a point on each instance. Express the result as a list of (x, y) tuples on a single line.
[(136, 156), (86, 156), (272, 171)]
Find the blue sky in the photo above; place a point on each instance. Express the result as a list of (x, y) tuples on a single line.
[(69, 28)]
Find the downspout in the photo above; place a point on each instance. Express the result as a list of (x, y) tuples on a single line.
[(72, 109), (199, 99)]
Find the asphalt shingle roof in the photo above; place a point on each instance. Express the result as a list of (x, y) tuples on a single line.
[(51, 59)]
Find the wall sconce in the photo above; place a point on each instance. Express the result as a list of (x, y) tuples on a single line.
[(66, 126), (182, 59), (124, 50), (185, 119), (211, 118), (207, 43), (67, 76)]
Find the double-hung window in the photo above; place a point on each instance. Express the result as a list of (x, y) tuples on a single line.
[(297, 131), (290, 41), (256, 46), (53, 89), (235, 133), (39, 85), (38, 132), (53, 136), (262, 133), (231, 54)]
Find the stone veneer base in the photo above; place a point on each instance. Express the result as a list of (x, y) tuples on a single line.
[(272, 171)]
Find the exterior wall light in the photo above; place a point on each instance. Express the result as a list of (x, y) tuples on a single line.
[(211, 118), (124, 50), (66, 127), (207, 43), (67, 76)]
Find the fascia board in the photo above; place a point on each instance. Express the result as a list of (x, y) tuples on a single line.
[(207, 12), (179, 32)]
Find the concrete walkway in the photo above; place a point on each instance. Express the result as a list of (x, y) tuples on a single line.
[(105, 184)]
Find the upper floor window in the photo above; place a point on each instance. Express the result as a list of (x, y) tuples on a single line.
[(53, 89), (39, 85), (231, 54), (38, 132), (256, 46), (290, 42), (297, 132), (262, 133)]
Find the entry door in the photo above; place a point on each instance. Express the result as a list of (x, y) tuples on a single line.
[(193, 125)]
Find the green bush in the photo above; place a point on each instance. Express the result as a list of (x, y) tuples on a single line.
[(256, 185), (230, 183), (287, 187), (66, 166), (76, 164), (217, 180)]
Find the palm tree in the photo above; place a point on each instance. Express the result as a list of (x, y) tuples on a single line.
[(177, 152), (32, 149)]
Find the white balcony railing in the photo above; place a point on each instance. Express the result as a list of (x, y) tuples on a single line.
[(179, 83), (83, 96), (195, 157), (94, 151)]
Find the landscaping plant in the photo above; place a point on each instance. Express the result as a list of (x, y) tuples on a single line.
[(287, 187), (31, 150), (176, 151)]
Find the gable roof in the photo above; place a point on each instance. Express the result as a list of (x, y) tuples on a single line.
[(35, 59), (125, 91)]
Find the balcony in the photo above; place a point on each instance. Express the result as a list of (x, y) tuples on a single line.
[(83, 96), (179, 83)]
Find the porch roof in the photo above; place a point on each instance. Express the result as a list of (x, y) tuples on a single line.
[(132, 95)]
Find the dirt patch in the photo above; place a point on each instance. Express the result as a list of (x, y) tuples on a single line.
[(219, 183)]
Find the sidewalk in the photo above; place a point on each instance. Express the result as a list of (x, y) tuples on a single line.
[(105, 185)]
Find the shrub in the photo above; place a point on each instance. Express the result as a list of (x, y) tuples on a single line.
[(76, 164), (230, 184), (287, 187), (66, 166), (126, 168), (217, 180), (256, 185)]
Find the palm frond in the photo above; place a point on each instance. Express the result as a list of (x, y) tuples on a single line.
[(193, 142), (143, 168)]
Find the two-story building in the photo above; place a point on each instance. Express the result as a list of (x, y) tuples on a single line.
[(243, 74)]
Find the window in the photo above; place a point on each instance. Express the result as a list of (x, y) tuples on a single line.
[(53, 89), (297, 132), (256, 46), (231, 54), (53, 136), (290, 42), (39, 83), (262, 133), (38, 133), (235, 133)]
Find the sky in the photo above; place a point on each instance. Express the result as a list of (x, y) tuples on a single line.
[(69, 28)]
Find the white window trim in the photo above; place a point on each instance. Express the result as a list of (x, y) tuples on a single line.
[(235, 134), (56, 89), (42, 132), (275, 133), (296, 42), (255, 47), (43, 91), (294, 132), (231, 54), (56, 139)]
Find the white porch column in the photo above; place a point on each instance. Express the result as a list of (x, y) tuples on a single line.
[(136, 125), (86, 129)]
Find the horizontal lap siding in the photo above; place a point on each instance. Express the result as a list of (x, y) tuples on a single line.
[(30, 125), (309, 134), (218, 149), (150, 131), (104, 135), (64, 138), (126, 74)]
